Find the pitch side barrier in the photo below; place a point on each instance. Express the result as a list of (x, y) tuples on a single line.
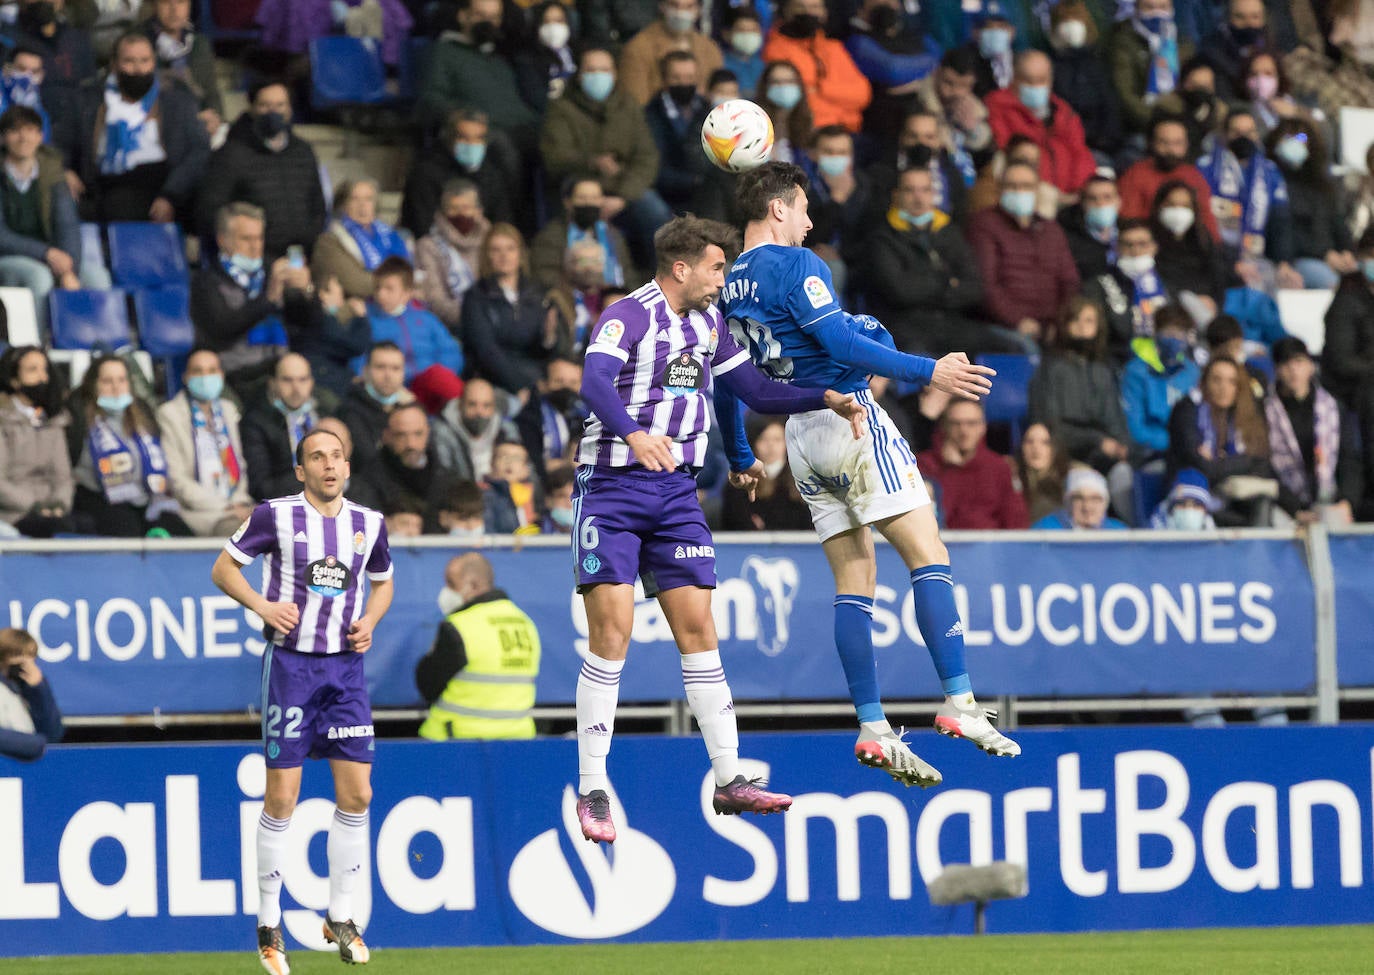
[(135, 631)]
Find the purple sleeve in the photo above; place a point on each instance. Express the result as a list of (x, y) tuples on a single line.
[(379, 559), (762, 395), (601, 397), (254, 537), (728, 353)]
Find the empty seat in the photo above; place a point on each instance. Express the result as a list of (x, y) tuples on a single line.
[(1010, 396), (346, 71), (21, 317), (147, 255), (1357, 133), (1149, 490), (1303, 313), (89, 319), (164, 322), (92, 244)]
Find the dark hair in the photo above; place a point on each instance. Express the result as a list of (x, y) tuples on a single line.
[(570, 183), (758, 188), (1223, 329), (130, 37), (1167, 118), (1059, 463), (464, 499), (720, 76), (458, 116), (684, 239), (395, 267), (799, 118), (255, 89), (1072, 309), (139, 417), (1194, 63), (1173, 316), (567, 360), (733, 15), (1245, 413), (1289, 347), (19, 49), (300, 446), (1133, 223), (386, 345), (1312, 171), (1265, 52), (558, 477), (672, 58), (830, 132), (1196, 233), (9, 372), (590, 48), (961, 60), (401, 408), (404, 503), (1365, 245), (18, 116)]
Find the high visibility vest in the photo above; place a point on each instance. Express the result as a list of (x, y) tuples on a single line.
[(493, 695)]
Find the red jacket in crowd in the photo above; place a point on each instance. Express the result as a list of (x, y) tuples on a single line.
[(975, 495), (1065, 159), (1140, 183), (1028, 272)]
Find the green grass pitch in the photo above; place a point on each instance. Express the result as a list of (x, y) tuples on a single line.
[(1256, 951)]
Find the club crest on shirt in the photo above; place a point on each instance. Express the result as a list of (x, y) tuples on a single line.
[(359, 543), (328, 577), (712, 341), (610, 333), (816, 292), (682, 375)]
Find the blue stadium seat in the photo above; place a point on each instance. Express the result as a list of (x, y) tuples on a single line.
[(92, 242), (147, 255), (164, 322), (1009, 399), (1149, 490), (346, 71), (89, 319)]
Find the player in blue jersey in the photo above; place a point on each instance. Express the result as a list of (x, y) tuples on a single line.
[(779, 301)]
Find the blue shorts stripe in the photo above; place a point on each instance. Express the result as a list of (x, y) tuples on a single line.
[(886, 468), (266, 677), (581, 478)]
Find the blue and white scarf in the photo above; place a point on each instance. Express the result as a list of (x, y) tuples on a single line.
[(19, 89), (249, 282), (1163, 75), (126, 129), (113, 459), (299, 421), (1232, 446), (376, 242), (613, 274), (1243, 195)]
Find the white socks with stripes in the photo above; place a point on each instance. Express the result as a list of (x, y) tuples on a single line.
[(708, 695), (346, 849), (271, 844), (598, 690)]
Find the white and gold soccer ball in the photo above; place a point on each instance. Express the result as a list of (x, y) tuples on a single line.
[(737, 136)]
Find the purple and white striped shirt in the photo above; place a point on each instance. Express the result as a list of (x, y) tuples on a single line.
[(318, 563), (668, 364)]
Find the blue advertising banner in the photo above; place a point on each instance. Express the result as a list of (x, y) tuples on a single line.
[(105, 848), (131, 632), (1352, 561)]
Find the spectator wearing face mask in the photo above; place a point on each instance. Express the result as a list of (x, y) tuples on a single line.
[(994, 34), (462, 516), (676, 29), (1167, 162), (1188, 259), (1250, 200), (1081, 79), (893, 56), (835, 88), (479, 677), (544, 64), (368, 403), (675, 115), (1085, 505), (42, 26), (1161, 373), (574, 307), (1188, 506), (1194, 101), (742, 37), (550, 423), (446, 258), (580, 220), (974, 482), (464, 150), (776, 504), (925, 141), (1131, 291), (1322, 248), (558, 501), (262, 162), (1090, 225), (1030, 108), (1226, 49), (1146, 56), (21, 83), (185, 53), (35, 472), (783, 98)]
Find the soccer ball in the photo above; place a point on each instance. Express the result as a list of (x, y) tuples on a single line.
[(737, 136)]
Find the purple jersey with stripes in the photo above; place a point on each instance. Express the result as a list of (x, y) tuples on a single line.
[(316, 562), (667, 363)]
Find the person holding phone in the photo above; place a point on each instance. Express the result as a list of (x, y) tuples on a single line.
[(29, 716)]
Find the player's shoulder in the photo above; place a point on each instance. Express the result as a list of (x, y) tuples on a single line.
[(368, 514)]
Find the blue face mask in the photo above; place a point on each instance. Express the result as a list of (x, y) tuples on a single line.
[(115, 405), (1034, 97), (1157, 24), (917, 219), (1292, 152), (562, 517), (597, 85), (1367, 266), (1019, 203), (785, 95), (205, 388), (993, 41), (1100, 218), (388, 400), (469, 155), (1171, 350), (248, 265), (834, 165)]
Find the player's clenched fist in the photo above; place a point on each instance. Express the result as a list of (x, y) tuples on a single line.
[(956, 375), (653, 451), (360, 634), (282, 617)]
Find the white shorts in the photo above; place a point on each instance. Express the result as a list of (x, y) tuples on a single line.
[(850, 483)]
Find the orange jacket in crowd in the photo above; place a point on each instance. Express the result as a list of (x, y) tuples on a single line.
[(835, 88)]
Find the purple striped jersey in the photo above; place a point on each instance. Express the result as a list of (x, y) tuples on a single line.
[(665, 377), (318, 563)]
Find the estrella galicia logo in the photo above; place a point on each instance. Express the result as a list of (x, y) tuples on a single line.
[(591, 564), (328, 577), (682, 375), (629, 887), (273, 749)]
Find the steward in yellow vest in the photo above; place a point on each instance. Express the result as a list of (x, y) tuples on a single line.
[(479, 676)]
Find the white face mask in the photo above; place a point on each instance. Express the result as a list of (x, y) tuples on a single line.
[(1187, 519), (1177, 220), (554, 34), (450, 601), (775, 468), (1134, 267), (467, 534), (1072, 33)]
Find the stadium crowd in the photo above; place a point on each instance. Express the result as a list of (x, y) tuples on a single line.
[(1105, 195)]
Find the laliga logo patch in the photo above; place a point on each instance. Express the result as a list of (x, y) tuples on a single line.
[(328, 577), (241, 531), (631, 884), (816, 292), (611, 333)]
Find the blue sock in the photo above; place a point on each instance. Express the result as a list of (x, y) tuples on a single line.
[(854, 641), (932, 586)]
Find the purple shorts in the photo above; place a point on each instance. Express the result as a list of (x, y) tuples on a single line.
[(314, 705), (631, 522)]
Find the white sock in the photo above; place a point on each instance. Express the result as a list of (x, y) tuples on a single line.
[(708, 695), (346, 849), (598, 689), (271, 844)]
